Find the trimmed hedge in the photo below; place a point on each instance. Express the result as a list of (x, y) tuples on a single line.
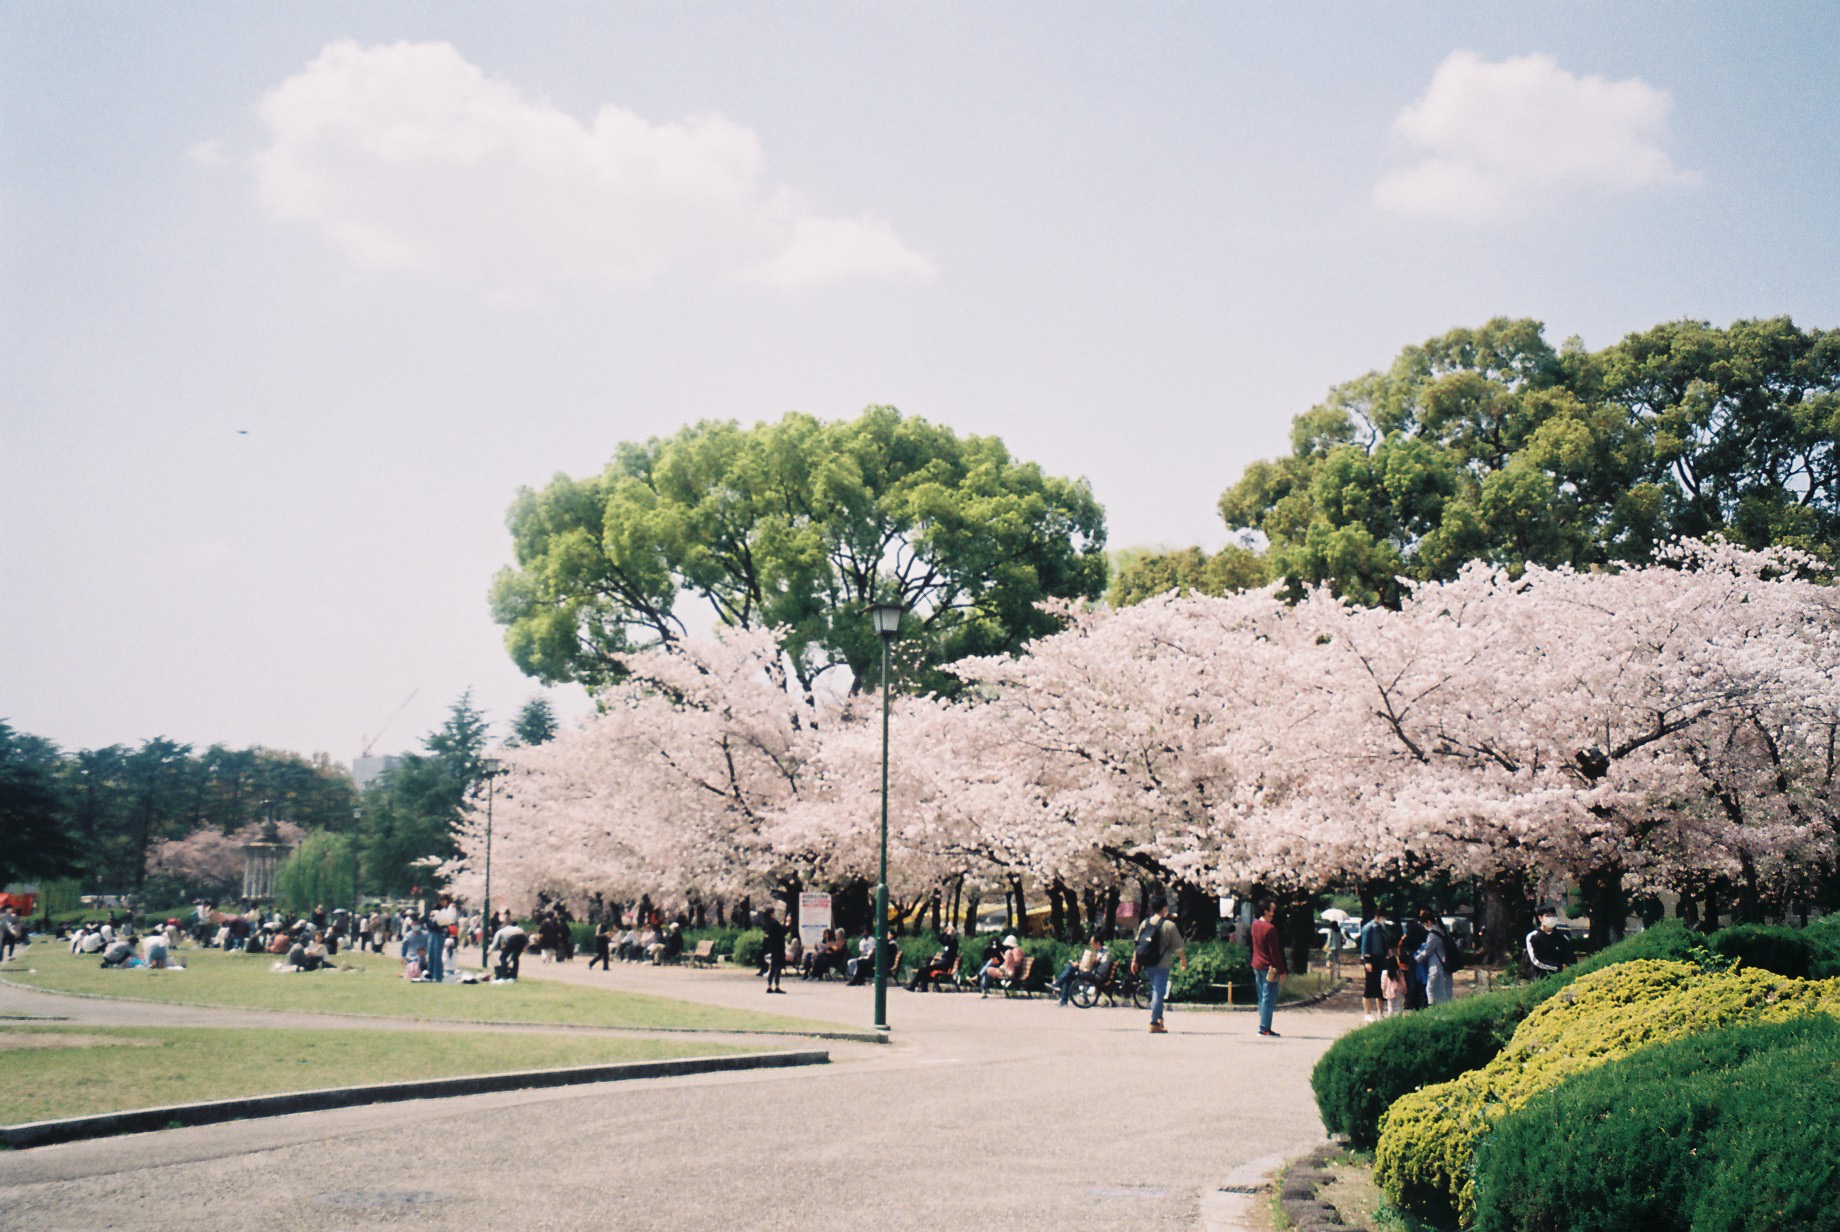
[(1734, 1129), (1361, 1075), (1363, 1072), (1427, 1138), (747, 948)]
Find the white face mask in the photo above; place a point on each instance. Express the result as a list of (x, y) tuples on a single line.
[(1549, 921)]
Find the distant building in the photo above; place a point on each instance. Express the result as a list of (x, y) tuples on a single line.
[(366, 770)]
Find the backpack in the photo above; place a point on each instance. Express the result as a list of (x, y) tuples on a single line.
[(1455, 959), (1149, 944)]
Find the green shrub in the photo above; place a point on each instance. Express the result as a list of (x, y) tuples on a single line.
[(1733, 1129), (1366, 1070), (747, 948), (1786, 951), (1212, 966), (1427, 1138)]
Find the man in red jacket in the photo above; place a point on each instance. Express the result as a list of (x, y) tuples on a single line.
[(1268, 969)]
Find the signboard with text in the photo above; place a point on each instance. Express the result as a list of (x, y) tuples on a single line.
[(814, 916)]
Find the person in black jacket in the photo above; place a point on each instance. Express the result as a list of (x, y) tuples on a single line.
[(775, 948), (1548, 949), (939, 965)]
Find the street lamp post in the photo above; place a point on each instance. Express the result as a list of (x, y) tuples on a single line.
[(357, 899), (491, 767), (887, 618)]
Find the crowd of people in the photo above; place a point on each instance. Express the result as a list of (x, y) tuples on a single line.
[(1409, 967)]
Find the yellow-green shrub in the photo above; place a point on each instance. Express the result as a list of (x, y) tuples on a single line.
[(1428, 1138)]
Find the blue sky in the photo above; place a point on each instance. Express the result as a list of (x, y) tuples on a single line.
[(423, 254)]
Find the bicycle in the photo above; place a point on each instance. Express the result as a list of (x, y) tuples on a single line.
[(1119, 984)]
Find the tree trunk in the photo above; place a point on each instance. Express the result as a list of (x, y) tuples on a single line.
[(1057, 918), (1297, 922), (1506, 908), (1198, 913), (1021, 928), (1075, 930), (934, 904), (1111, 912), (968, 927), (1608, 905)]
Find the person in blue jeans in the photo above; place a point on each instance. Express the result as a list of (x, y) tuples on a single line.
[(437, 946), (1268, 969), (1157, 940)]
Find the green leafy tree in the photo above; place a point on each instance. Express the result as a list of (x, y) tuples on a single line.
[(409, 813), (318, 873), (1137, 576), (535, 723), (1490, 444), (797, 524), (34, 815)]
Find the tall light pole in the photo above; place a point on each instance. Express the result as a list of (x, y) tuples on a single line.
[(491, 767), (887, 618), (357, 899)]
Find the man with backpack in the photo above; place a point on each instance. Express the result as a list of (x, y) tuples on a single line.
[(1157, 940)]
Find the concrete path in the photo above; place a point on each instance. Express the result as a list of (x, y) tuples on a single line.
[(986, 1114)]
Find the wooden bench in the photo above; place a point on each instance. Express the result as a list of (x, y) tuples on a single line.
[(1019, 982), (704, 955)]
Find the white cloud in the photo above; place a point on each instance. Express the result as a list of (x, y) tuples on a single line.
[(1499, 137), (409, 158), (833, 249)]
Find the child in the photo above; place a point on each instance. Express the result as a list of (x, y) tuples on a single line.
[(1393, 990)]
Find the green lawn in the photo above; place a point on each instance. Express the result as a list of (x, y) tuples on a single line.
[(48, 1072), (244, 981)]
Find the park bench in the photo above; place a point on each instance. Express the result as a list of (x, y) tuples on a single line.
[(704, 955), (1019, 982)]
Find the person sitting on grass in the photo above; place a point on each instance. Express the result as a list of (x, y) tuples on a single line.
[(1005, 967), (120, 951), (155, 948)]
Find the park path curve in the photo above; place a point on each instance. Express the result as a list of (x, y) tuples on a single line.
[(991, 1114)]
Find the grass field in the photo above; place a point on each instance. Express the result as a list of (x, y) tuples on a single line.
[(48, 1072), (376, 989)]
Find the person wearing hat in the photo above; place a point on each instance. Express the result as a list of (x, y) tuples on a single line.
[(1005, 967)]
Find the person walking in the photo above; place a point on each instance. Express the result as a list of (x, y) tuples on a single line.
[(1376, 957), (603, 946), (1268, 969), (1157, 940), (775, 948)]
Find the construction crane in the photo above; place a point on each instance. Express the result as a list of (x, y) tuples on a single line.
[(394, 715)]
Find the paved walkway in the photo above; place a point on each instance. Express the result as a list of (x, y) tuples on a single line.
[(986, 1114)]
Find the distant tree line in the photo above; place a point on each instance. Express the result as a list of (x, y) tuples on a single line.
[(97, 814), (163, 819)]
